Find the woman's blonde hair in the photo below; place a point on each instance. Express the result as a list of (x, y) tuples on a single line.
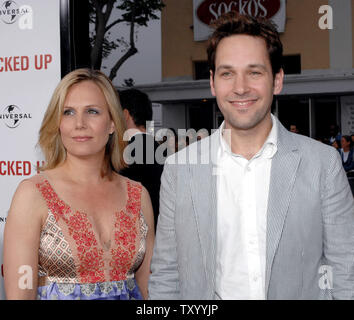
[(49, 133)]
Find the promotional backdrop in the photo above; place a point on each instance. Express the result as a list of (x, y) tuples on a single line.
[(29, 72)]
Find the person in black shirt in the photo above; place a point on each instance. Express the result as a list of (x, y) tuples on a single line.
[(137, 110)]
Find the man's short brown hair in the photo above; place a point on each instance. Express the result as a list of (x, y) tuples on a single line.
[(233, 23)]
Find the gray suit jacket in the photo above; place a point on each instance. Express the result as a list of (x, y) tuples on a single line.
[(310, 223)]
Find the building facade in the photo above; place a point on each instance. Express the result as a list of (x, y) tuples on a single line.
[(317, 37)]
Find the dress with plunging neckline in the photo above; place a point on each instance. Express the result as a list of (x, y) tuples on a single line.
[(73, 264), (89, 218)]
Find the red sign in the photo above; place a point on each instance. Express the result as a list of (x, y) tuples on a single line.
[(15, 168), (210, 10)]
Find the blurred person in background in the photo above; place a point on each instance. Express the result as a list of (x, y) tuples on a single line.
[(293, 128), (336, 144), (347, 153), (142, 146)]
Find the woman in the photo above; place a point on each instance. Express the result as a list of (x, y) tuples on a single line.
[(78, 229), (347, 153)]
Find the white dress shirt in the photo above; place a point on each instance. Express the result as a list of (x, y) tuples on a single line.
[(242, 200)]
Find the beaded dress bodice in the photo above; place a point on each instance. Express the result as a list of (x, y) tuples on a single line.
[(72, 257)]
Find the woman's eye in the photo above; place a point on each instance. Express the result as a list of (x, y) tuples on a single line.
[(68, 112), (92, 111)]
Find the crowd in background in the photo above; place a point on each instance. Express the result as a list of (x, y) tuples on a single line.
[(343, 143), (345, 146)]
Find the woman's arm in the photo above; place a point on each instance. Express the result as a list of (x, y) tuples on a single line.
[(21, 242), (143, 273)]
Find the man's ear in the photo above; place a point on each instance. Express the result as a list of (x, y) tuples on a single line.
[(278, 82), (126, 115), (212, 88)]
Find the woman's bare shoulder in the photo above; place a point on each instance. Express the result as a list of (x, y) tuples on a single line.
[(27, 197), (28, 187), (118, 177)]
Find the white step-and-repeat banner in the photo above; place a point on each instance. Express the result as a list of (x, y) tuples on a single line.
[(29, 72)]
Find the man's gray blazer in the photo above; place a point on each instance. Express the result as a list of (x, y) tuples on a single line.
[(310, 224)]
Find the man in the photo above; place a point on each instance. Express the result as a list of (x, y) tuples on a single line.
[(293, 128), (334, 133), (271, 215), (137, 110)]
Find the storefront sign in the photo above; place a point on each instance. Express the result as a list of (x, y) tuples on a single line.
[(207, 11)]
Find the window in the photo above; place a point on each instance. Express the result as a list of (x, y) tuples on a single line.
[(325, 113), (292, 64), (201, 70), (294, 110)]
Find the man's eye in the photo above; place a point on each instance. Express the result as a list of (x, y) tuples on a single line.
[(226, 74), (255, 73)]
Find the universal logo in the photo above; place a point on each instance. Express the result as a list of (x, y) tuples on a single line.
[(12, 116), (10, 12)]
